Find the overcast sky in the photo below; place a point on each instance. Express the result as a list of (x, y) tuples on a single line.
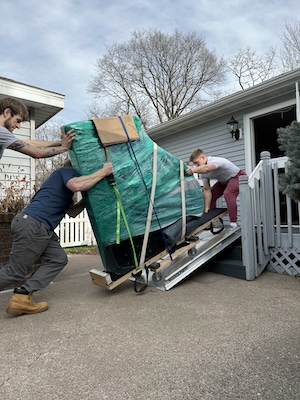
[(54, 44)]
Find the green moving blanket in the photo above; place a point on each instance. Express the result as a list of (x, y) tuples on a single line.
[(133, 174)]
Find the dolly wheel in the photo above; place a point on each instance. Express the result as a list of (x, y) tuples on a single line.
[(192, 252), (157, 277)]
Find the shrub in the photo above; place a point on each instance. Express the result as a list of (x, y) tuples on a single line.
[(15, 191), (289, 142)]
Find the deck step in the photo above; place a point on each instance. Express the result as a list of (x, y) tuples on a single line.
[(228, 267), (233, 252)]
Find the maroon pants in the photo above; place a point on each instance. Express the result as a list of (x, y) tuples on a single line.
[(230, 190)]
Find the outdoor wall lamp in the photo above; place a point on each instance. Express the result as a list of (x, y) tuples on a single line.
[(232, 126)]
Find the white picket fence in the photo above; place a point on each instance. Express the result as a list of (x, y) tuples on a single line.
[(77, 231)]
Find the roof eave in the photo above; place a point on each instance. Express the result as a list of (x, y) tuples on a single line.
[(228, 104), (45, 103)]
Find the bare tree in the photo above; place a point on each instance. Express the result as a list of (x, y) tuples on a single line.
[(250, 68), (44, 166), (157, 76), (290, 53)]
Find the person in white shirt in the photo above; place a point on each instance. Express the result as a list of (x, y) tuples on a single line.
[(227, 175)]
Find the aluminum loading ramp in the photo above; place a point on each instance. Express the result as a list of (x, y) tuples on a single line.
[(166, 270), (166, 273)]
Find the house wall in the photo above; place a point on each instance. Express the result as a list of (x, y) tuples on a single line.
[(42, 105), (214, 138), (17, 165)]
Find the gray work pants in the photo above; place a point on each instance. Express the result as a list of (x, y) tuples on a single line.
[(32, 239)]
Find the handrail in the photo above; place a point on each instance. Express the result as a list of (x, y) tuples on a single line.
[(255, 174), (280, 161)]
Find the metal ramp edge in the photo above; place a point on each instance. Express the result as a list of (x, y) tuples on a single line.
[(204, 250)]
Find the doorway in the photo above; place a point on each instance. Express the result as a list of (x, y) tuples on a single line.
[(265, 139), (265, 130)]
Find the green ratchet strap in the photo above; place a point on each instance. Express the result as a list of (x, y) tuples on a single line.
[(120, 210)]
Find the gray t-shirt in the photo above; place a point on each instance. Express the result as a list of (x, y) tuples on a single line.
[(6, 139), (225, 169)]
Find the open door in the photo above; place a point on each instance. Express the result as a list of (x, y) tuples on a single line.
[(265, 138), (265, 130)]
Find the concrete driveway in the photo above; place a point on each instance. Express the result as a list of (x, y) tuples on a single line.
[(210, 337)]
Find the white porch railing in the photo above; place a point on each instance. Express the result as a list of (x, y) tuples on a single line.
[(76, 231), (267, 216)]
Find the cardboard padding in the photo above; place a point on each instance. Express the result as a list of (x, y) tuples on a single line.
[(111, 131)]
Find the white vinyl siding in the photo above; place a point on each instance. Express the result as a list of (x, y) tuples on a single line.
[(17, 165), (213, 138)]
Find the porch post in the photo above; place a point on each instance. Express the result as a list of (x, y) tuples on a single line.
[(247, 228), (268, 216)]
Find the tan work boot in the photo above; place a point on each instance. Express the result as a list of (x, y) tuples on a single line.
[(22, 304)]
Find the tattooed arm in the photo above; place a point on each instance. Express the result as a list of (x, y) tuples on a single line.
[(42, 143), (39, 151)]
